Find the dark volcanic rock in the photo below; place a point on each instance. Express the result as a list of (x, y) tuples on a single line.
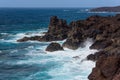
[(34, 38), (75, 36), (54, 47), (71, 45), (74, 43), (96, 56), (106, 9), (106, 69), (101, 44), (105, 31), (58, 30), (23, 39)]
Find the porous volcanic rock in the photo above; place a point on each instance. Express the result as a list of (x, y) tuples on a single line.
[(107, 68), (54, 47), (105, 32), (58, 30)]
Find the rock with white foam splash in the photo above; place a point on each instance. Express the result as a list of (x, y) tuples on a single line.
[(54, 47)]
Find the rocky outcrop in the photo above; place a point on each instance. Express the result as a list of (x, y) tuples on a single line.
[(102, 29), (108, 43), (75, 38), (54, 47), (106, 9), (58, 30), (105, 31), (107, 68)]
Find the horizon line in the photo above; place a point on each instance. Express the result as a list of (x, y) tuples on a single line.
[(61, 7)]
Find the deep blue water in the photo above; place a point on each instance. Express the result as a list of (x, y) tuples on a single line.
[(28, 60)]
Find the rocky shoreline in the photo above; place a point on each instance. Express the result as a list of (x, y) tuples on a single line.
[(105, 31), (106, 9)]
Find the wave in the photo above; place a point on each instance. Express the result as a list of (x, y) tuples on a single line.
[(4, 33), (70, 64), (104, 12), (74, 62), (14, 37), (66, 10), (83, 11)]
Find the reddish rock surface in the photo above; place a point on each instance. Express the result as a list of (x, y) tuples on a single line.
[(107, 68)]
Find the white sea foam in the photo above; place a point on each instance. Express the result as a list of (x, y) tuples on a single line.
[(15, 37), (14, 51), (71, 67), (66, 10), (104, 12), (4, 33)]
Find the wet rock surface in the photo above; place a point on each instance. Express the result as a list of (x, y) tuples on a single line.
[(107, 68), (54, 47), (57, 30)]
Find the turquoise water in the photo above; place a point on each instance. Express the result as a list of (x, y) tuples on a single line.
[(29, 60)]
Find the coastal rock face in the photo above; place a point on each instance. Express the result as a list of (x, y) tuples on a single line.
[(106, 69), (54, 47), (58, 30), (106, 9), (74, 39), (108, 57), (96, 56), (105, 32), (75, 36), (101, 44)]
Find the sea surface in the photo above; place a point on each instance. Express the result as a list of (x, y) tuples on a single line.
[(29, 60)]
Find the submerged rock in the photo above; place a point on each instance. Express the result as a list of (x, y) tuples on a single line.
[(54, 47)]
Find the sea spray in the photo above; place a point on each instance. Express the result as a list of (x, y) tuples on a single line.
[(33, 63), (74, 65), (64, 65)]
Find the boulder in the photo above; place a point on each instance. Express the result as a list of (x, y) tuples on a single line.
[(54, 47), (71, 45)]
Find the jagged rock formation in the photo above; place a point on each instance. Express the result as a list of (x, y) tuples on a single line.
[(107, 68), (106, 9), (58, 30), (105, 31)]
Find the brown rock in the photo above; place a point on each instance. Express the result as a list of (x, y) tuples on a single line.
[(106, 68), (101, 44), (54, 47)]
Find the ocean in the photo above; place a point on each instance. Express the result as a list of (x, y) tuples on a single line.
[(29, 60)]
